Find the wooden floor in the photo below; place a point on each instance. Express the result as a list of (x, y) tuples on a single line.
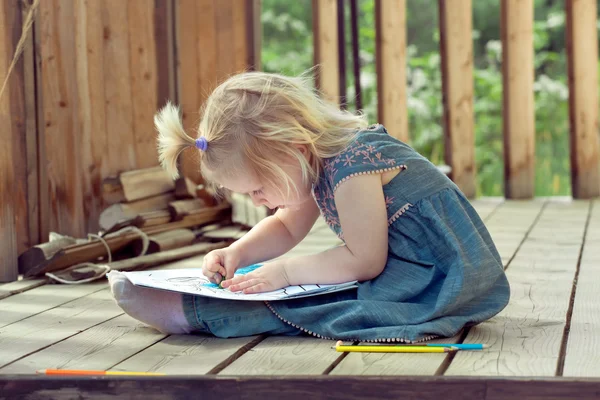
[(551, 327)]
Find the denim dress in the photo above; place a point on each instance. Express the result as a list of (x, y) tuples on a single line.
[(443, 271)]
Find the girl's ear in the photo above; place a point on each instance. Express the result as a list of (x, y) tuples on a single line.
[(303, 149)]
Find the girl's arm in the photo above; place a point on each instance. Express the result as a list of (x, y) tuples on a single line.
[(276, 234), (361, 208)]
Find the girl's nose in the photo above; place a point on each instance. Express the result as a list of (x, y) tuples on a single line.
[(258, 201)]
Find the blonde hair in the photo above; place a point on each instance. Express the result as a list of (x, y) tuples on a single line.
[(260, 117)]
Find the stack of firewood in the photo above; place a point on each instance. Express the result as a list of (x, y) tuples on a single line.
[(178, 219)]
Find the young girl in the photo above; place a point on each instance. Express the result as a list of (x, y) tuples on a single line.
[(425, 263)]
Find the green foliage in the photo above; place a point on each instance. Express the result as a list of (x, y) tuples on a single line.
[(287, 48)]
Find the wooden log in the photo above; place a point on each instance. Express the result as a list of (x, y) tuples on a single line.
[(112, 191), (456, 49), (181, 208), (142, 220), (143, 183), (120, 212), (582, 57), (325, 44), (93, 250), (185, 188), (390, 25), (518, 103), (165, 241)]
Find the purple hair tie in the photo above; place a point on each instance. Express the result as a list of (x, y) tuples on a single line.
[(202, 143)]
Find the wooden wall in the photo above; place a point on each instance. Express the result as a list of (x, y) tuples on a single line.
[(80, 104)]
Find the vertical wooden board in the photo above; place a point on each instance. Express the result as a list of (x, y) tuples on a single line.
[(283, 355), (52, 326), (8, 208), (61, 130), (207, 49), (165, 51), (582, 356), (518, 103), (144, 77), (254, 34), (121, 153), (525, 338), (188, 81), (325, 39), (187, 354), (456, 49), (390, 49), (226, 40), (582, 57), (18, 115), (31, 132), (242, 39), (89, 45), (97, 348)]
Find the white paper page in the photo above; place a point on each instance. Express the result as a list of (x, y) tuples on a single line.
[(192, 281)]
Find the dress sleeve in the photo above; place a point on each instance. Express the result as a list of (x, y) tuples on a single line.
[(371, 153)]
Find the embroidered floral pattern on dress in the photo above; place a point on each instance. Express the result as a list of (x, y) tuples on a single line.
[(358, 159)]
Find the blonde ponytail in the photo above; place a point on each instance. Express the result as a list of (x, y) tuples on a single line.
[(172, 139)]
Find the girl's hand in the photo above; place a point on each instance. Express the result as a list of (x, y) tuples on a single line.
[(269, 277), (220, 264)]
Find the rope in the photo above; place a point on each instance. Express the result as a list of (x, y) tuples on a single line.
[(107, 269)]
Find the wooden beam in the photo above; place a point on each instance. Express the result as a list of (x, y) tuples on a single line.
[(294, 387), (456, 49), (325, 44), (8, 135), (390, 25), (254, 33), (518, 103), (582, 56)]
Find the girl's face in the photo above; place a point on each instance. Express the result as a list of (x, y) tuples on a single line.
[(262, 193)]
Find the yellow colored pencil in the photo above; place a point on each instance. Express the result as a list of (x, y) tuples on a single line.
[(75, 372), (393, 349)]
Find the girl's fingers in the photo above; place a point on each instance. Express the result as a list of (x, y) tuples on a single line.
[(244, 285)]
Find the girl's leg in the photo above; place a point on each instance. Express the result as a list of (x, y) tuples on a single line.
[(160, 309), (173, 313)]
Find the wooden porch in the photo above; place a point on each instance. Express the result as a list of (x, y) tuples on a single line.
[(550, 329)]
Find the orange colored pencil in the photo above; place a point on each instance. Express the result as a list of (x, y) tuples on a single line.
[(76, 372)]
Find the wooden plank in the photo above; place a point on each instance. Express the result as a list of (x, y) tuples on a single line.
[(240, 32), (226, 41), (39, 331), (60, 117), (525, 338), (35, 301), (187, 354), (284, 355), (518, 104), (144, 78), (121, 146), (31, 133), (97, 348), (8, 136), (164, 33), (456, 50), (188, 80), (89, 45), (253, 34), (486, 206), (390, 49), (300, 388), (16, 287), (325, 53), (582, 356), (207, 49), (582, 58), (18, 112)]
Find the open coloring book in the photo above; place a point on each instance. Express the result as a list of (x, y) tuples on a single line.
[(192, 281)]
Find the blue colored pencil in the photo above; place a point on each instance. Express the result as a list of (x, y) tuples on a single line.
[(473, 346)]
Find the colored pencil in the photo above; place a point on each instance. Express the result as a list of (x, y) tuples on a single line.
[(92, 372), (393, 349)]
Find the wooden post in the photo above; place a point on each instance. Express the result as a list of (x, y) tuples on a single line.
[(518, 102), (325, 35), (456, 48), (8, 135), (582, 56), (390, 26)]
